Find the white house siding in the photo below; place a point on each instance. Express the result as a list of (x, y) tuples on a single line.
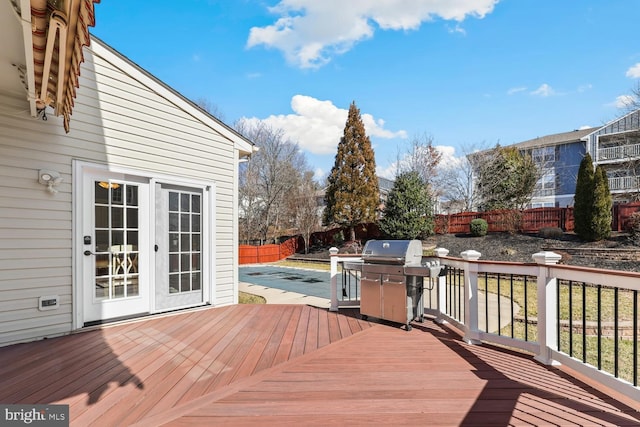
[(122, 117)]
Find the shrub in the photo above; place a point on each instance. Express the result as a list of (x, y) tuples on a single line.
[(550, 232), (602, 203), (478, 227), (633, 227), (338, 238), (583, 198)]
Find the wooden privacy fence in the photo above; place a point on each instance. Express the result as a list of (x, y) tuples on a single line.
[(268, 253), (529, 220), (526, 221)]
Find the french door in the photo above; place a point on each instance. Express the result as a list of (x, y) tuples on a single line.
[(143, 245), (115, 256), (179, 247)]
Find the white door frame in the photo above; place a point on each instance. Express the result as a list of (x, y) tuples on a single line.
[(80, 169)]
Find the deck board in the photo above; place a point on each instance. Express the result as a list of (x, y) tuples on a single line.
[(293, 364)]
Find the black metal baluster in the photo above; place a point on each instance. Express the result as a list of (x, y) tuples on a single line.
[(526, 311), (635, 338), (511, 299), (571, 318), (584, 322), (558, 325), (499, 322)]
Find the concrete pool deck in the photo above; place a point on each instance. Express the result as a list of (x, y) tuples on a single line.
[(279, 296)]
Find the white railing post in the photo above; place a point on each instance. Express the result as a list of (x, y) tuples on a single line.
[(547, 306), (334, 279), (441, 291), (472, 334)]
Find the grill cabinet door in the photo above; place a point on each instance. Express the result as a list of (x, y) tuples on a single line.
[(371, 295), (394, 299)]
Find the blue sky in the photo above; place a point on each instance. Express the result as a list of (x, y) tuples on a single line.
[(467, 73)]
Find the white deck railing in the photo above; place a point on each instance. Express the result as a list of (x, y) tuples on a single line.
[(547, 275), (624, 183), (619, 152)]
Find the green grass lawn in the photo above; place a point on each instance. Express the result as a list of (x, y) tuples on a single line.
[(245, 298)]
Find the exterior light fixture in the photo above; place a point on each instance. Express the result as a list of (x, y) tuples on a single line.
[(107, 185), (49, 178)]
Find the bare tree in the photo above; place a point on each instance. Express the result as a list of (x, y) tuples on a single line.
[(303, 207), (423, 158), (455, 185), (632, 102), (210, 108), (267, 180)]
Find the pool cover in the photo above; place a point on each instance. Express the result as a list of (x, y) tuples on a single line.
[(306, 282)]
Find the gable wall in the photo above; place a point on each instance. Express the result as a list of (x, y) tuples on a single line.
[(116, 121)]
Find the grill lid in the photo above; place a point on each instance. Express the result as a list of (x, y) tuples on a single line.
[(404, 252)]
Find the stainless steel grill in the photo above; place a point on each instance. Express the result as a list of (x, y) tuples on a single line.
[(392, 283)]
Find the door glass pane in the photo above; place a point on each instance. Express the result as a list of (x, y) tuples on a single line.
[(173, 242), (174, 263), (116, 240), (184, 242), (132, 287), (185, 205), (185, 282), (195, 203), (116, 194), (185, 258), (117, 218), (174, 285), (132, 218), (185, 220), (173, 202), (132, 240), (195, 281), (102, 192), (132, 196), (102, 216), (173, 222), (102, 288), (102, 240)]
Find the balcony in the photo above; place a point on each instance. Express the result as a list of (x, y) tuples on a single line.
[(624, 183), (618, 153)]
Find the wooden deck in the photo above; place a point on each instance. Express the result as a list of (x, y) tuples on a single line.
[(294, 365)]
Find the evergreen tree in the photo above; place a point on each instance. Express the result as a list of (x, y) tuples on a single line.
[(583, 199), (408, 212), (602, 204), (352, 196)]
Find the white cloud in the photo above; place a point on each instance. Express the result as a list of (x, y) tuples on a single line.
[(317, 126), (544, 90), (624, 101), (515, 90), (310, 32), (634, 72)]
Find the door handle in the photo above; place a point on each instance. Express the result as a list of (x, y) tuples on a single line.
[(88, 252), (155, 248)]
